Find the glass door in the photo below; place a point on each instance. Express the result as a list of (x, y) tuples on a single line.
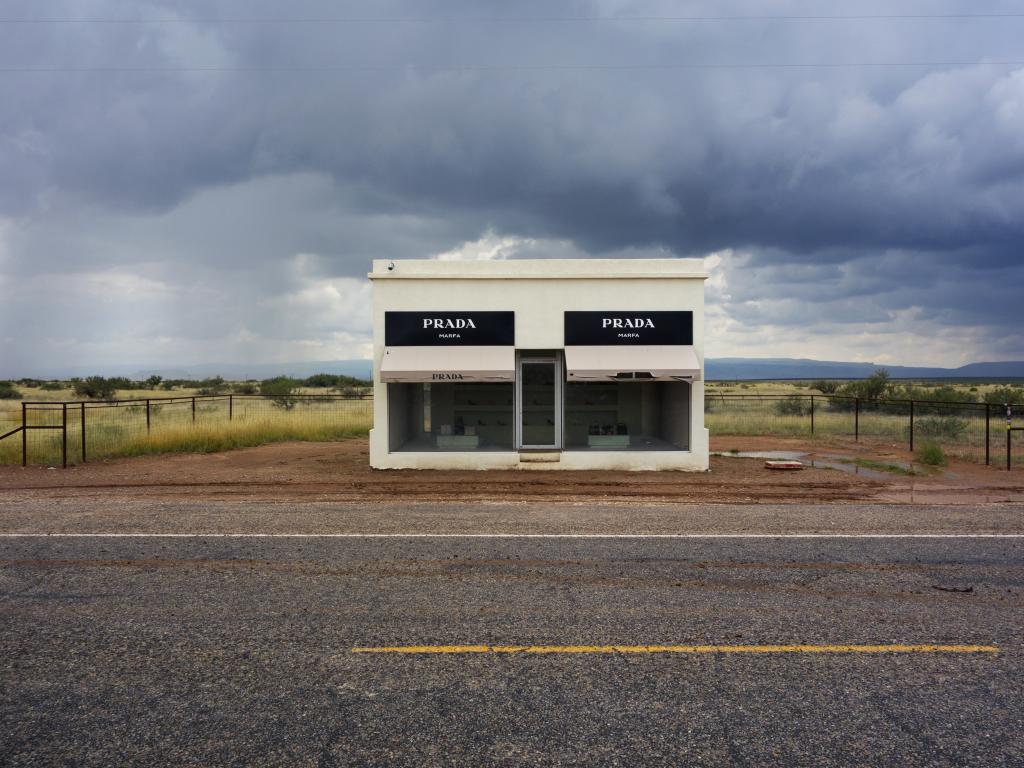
[(540, 402)]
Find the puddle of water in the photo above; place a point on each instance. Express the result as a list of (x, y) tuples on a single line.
[(769, 455), (850, 468), (841, 463)]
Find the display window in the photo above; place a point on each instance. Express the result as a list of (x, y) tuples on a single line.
[(451, 416), (627, 416)]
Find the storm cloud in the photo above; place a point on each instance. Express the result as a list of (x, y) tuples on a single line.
[(211, 184)]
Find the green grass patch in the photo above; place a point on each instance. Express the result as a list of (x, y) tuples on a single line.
[(931, 454), (884, 466)]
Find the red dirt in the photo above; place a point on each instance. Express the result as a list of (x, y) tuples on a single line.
[(340, 471)]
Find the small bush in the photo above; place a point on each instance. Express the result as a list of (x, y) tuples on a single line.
[(948, 427), (281, 389), (212, 386), (825, 387), (793, 406), (245, 388), (52, 386), (95, 387), (874, 387), (931, 454), (154, 381), (1003, 395), (8, 391)]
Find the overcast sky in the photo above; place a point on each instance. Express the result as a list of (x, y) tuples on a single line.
[(212, 186)]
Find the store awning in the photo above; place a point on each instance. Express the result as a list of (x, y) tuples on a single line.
[(632, 363), (446, 364)]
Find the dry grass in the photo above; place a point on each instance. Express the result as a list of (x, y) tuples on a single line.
[(121, 431), (759, 418)]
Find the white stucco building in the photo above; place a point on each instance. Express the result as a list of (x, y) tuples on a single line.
[(539, 364)]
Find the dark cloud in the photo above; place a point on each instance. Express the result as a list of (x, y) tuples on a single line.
[(845, 195)]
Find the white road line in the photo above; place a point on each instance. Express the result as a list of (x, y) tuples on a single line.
[(134, 535)]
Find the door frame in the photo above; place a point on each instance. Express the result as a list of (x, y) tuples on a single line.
[(555, 359)]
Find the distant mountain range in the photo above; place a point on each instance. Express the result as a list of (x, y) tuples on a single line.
[(361, 369), (727, 368), (791, 368)]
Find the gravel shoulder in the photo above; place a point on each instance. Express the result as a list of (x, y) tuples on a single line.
[(202, 516)]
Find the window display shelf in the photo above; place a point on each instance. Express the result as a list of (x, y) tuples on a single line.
[(462, 442)]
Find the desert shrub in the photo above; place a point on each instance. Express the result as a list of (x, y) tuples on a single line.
[(948, 427), (95, 387), (123, 382), (167, 386), (333, 381), (8, 391), (873, 388), (795, 405), (154, 381), (1003, 395), (212, 386), (933, 393), (245, 388), (825, 386), (52, 386), (931, 454), (281, 389)]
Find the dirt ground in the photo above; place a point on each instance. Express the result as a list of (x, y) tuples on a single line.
[(339, 471)]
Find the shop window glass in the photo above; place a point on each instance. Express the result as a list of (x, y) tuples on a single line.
[(627, 415), (451, 417)]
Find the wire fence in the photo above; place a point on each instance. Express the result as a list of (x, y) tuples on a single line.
[(1015, 447), (972, 431), (62, 433)]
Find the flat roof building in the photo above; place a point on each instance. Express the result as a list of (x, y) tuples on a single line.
[(539, 364)]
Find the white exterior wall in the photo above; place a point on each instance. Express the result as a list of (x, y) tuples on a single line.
[(539, 292)]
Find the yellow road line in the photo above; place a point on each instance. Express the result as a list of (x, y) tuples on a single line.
[(687, 649)]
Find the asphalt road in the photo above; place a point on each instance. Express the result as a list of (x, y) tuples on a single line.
[(238, 651)]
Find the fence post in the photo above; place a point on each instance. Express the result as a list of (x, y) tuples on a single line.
[(64, 435), (231, 407), (856, 419), (911, 426), (193, 409), (147, 415), (812, 414), (83, 433), (1009, 432), (24, 437), (988, 419)]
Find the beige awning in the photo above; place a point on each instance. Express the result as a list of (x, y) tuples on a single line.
[(632, 363), (442, 364)]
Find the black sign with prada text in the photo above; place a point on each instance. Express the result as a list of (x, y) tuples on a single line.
[(612, 328), (443, 329)]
